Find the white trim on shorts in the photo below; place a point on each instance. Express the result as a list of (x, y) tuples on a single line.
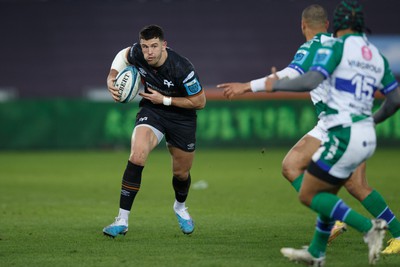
[(158, 134)]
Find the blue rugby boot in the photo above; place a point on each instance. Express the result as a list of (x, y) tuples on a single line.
[(185, 221), (119, 227)]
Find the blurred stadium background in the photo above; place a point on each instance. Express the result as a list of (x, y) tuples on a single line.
[(56, 54), (63, 142)]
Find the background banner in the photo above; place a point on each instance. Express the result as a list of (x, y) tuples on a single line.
[(83, 124)]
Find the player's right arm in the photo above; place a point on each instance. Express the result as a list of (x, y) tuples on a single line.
[(299, 65), (234, 89), (119, 63), (257, 85)]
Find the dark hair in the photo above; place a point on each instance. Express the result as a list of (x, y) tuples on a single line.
[(150, 32), (349, 15), (315, 15)]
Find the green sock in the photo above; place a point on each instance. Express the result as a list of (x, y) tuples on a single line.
[(329, 205), (297, 182), (322, 232), (377, 206)]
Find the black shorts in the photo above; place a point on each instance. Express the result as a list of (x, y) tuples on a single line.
[(179, 131)]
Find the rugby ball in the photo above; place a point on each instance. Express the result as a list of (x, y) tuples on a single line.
[(127, 82)]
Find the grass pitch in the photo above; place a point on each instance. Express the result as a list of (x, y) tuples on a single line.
[(53, 206)]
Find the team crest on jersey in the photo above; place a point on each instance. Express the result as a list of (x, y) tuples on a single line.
[(168, 83), (193, 87), (322, 56), (366, 53)]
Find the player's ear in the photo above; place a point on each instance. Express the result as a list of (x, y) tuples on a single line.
[(303, 26), (164, 45)]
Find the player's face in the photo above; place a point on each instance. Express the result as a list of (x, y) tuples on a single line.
[(153, 51)]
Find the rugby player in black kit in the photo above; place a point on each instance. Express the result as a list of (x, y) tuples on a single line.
[(168, 107)]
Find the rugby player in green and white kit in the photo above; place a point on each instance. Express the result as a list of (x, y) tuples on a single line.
[(355, 70), (314, 26)]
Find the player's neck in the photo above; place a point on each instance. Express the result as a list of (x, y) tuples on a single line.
[(344, 32), (310, 33)]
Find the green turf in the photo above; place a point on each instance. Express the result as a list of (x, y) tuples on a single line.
[(53, 206)]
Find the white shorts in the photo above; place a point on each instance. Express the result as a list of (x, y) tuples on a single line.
[(319, 131), (345, 148)]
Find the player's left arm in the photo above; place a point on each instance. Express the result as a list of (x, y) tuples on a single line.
[(388, 107), (257, 85), (390, 88), (197, 101), (324, 64), (304, 83), (193, 96)]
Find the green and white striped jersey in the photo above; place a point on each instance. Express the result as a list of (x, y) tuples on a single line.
[(302, 62), (355, 70)]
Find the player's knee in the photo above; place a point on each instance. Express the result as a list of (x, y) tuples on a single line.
[(358, 191), (289, 171), (181, 174), (285, 168), (285, 172), (138, 157)]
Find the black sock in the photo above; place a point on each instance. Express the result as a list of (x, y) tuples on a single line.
[(130, 185), (181, 188)]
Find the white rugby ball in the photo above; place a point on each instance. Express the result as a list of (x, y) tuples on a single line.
[(127, 82)]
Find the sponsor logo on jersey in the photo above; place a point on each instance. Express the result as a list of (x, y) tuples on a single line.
[(300, 56), (142, 72), (168, 83), (322, 56), (153, 87), (191, 74), (366, 53), (364, 66), (192, 87)]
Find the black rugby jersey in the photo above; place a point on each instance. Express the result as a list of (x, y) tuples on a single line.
[(175, 78)]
